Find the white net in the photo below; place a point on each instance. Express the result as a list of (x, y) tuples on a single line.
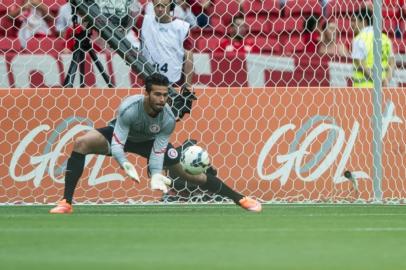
[(276, 108)]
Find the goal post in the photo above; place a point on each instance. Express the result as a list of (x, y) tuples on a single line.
[(277, 144), (377, 99)]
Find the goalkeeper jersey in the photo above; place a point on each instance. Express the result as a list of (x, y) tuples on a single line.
[(135, 125)]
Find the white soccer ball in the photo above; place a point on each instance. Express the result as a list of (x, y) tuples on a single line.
[(195, 160)]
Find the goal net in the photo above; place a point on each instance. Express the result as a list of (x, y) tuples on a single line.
[(278, 108)]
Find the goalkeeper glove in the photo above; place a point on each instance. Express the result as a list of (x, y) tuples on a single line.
[(160, 182), (181, 103), (131, 171)]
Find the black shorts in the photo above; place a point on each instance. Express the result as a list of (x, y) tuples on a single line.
[(172, 156)]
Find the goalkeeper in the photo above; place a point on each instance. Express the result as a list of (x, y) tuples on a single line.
[(143, 126)]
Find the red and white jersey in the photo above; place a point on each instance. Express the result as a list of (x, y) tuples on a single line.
[(163, 45)]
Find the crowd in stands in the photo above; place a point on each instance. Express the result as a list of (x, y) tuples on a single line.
[(252, 26)]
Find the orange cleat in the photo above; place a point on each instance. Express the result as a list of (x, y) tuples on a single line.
[(63, 207), (250, 204)]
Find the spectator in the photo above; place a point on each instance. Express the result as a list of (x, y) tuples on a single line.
[(311, 34), (166, 44), (328, 44), (362, 51), (237, 42), (33, 15), (182, 11)]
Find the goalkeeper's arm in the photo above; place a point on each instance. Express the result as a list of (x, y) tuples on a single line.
[(120, 134)]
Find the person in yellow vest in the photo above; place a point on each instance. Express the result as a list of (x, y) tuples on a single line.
[(362, 51)]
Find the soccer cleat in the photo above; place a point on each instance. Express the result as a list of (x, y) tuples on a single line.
[(250, 204), (63, 207)]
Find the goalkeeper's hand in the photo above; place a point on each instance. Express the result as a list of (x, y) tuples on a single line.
[(131, 171), (160, 182), (181, 103)]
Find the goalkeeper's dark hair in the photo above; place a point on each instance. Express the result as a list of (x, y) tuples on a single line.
[(155, 79), (364, 14)]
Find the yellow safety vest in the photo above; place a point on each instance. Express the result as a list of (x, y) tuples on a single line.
[(367, 37)]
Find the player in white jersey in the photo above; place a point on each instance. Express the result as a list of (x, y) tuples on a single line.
[(163, 42), (143, 126)]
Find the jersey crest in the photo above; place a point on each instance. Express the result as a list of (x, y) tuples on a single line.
[(154, 128)]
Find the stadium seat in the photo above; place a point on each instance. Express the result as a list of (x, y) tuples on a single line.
[(208, 44), (261, 7), (197, 32), (7, 27), (8, 44), (217, 24), (339, 8), (344, 27), (45, 45), (398, 46), (267, 44), (302, 8), (226, 10), (54, 5), (4, 4), (6, 24), (390, 11), (389, 26), (258, 24), (292, 44), (287, 25)]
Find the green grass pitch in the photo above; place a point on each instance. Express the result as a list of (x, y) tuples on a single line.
[(204, 237)]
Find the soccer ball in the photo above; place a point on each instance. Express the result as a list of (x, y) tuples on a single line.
[(195, 160)]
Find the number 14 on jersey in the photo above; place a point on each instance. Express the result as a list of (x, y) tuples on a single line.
[(163, 68)]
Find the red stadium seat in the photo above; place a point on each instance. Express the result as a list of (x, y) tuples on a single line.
[(267, 44), (45, 45), (292, 44), (287, 25), (8, 44), (208, 44), (398, 46), (341, 8), (54, 5), (261, 7), (258, 24), (390, 12), (4, 4), (389, 26), (7, 27), (302, 8), (217, 24), (197, 32), (344, 27), (226, 10)]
